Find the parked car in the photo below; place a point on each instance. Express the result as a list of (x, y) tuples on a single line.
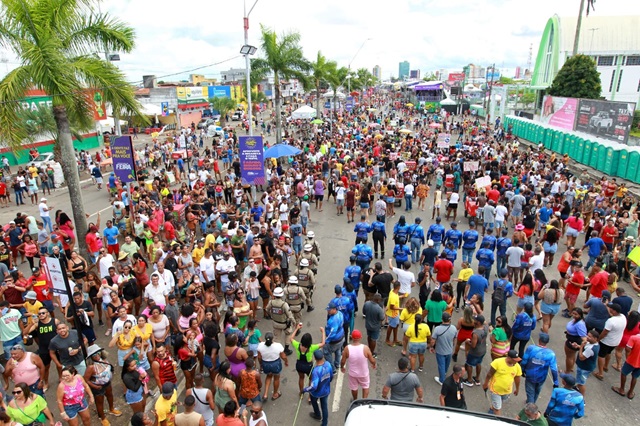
[(237, 116), (206, 122), (43, 159), (214, 130)]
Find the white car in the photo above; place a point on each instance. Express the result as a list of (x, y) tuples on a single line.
[(43, 159), (213, 130)]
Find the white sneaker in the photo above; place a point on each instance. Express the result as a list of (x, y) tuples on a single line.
[(437, 379)]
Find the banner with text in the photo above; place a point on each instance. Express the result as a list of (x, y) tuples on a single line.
[(123, 159), (559, 112), (608, 120), (251, 150)]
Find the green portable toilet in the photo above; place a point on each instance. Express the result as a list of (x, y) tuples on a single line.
[(543, 136), (547, 140), (586, 156), (632, 166), (623, 162), (596, 149), (611, 160), (578, 152), (531, 132), (555, 142), (570, 145), (566, 143)]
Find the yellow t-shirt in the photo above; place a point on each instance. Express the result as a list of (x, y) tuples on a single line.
[(339, 167), (394, 299), (423, 333), (209, 241), (32, 309), (502, 381), (465, 274), (409, 318), (145, 333), (125, 342), (197, 254), (166, 409)]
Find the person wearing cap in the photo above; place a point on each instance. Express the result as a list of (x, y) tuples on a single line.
[(295, 297), (98, 376), (469, 242), (565, 404), (306, 280), (45, 214), (416, 238), (315, 247), (296, 231), (441, 344), (485, 258), (335, 332), (357, 354), (379, 234), (502, 375), (353, 273), (319, 387), (536, 363), (282, 318), (436, 233), (166, 405), (429, 254), (307, 253), (401, 252), (610, 337)]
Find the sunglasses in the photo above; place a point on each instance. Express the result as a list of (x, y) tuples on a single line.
[(127, 328), (18, 392), (42, 313)]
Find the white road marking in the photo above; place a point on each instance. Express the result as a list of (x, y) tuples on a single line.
[(100, 211), (335, 407)]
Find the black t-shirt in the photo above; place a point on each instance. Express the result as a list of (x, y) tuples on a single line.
[(87, 307), (45, 332), (453, 393), (383, 282), (364, 281), (209, 345), (430, 254)]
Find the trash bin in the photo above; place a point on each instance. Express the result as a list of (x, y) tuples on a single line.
[(623, 162)]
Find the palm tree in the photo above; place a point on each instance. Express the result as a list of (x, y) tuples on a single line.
[(282, 57), (336, 79), (320, 70), (223, 105), (55, 41)]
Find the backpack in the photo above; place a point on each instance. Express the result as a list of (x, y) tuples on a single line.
[(498, 296)]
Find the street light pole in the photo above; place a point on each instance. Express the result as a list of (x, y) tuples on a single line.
[(247, 62)]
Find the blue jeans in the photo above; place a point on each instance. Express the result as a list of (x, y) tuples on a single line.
[(19, 199), (494, 308), (46, 220), (416, 245), (324, 406), (590, 263), (532, 390), (443, 366), (501, 263), (467, 255), (333, 353), (487, 272), (408, 199), (6, 346), (437, 245)]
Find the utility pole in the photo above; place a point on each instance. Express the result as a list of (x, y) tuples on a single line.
[(493, 72), (247, 62), (576, 40)]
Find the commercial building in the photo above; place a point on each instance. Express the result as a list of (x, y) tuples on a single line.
[(612, 42), (414, 74), (403, 70), (377, 72)]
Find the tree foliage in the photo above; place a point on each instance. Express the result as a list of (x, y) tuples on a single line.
[(319, 73), (578, 78), (223, 106)]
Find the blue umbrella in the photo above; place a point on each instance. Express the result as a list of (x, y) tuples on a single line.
[(281, 150)]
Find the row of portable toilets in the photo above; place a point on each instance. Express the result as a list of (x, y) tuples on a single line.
[(609, 158)]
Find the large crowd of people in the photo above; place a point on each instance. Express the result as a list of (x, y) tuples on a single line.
[(192, 276)]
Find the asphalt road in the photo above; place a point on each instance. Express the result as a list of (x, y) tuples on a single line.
[(336, 237)]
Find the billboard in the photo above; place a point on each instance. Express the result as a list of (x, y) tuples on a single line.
[(251, 151), (455, 76), (124, 165), (219, 91), (559, 112), (349, 104), (193, 95), (608, 120)]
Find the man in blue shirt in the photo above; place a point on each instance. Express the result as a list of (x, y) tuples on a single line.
[(353, 273), (477, 284), (401, 253), (502, 290), (454, 236), (364, 255), (346, 308), (450, 252), (296, 236), (256, 212), (335, 335), (502, 244), (469, 241), (544, 215), (436, 233), (320, 387), (566, 404), (485, 259), (416, 237), (362, 230), (536, 362), (596, 245), (489, 239), (379, 237), (111, 238)]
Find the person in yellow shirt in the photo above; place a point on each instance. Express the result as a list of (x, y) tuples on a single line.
[(32, 305), (167, 405), (393, 314), (418, 336), (504, 372), (408, 318), (198, 252), (463, 277)]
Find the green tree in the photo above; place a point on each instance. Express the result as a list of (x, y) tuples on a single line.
[(223, 106), (55, 41), (362, 80), (578, 78), (283, 57), (336, 79), (506, 80), (320, 70), (430, 77)]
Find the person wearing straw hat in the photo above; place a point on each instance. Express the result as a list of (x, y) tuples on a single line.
[(98, 376)]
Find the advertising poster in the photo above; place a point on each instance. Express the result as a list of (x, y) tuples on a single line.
[(608, 120), (165, 108), (251, 160), (349, 104), (96, 100), (123, 160), (444, 140), (559, 112)]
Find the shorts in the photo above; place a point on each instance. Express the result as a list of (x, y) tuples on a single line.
[(272, 367), (572, 232), (364, 205), (101, 391), (253, 347), (542, 225), (453, 206), (548, 248), (304, 367), (73, 409), (121, 354), (133, 397), (549, 309), (499, 223), (581, 376), (319, 197), (489, 225), (516, 213), (394, 321), (473, 360), (605, 350), (373, 334), (252, 299), (358, 382), (523, 300), (390, 200), (630, 369), (340, 203), (571, 298), (207, 361), (417, 348), (349, 209), (496, 400)]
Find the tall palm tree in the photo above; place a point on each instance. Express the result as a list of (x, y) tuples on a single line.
[(55, 41), (283, 57), (223, 106), (336, 79), (320, 70)]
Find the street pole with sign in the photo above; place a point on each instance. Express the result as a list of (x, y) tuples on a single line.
[(248, 51)]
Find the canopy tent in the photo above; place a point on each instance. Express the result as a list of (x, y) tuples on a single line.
[(329, 94), (281, 150), (150, 109), (304, 113), (448, 101)]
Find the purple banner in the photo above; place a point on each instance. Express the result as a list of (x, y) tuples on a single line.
[(252, 160), (123, 161)]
